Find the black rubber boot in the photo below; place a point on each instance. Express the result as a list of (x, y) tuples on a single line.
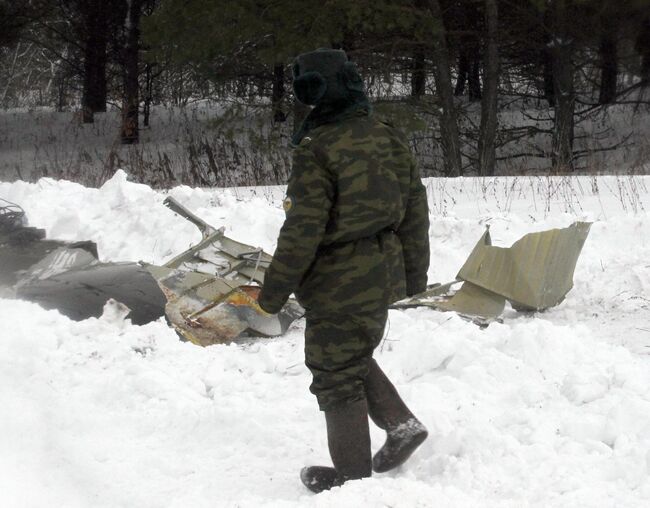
[(348, 438), (387, 410)]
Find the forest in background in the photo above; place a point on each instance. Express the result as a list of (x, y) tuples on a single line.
[(480, 86)]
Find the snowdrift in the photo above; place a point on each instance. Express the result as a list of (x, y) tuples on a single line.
[(544, 409)]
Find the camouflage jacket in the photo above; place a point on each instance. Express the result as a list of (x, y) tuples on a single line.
[(355, 237)]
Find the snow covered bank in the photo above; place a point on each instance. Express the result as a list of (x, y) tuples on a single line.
[(551, 409)]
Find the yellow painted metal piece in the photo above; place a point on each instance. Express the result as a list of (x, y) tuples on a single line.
[(473, 300), (535, 273)]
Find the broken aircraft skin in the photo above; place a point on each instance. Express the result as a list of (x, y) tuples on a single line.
[(68, 276), (211, 288), (534, 274), (209, 292)]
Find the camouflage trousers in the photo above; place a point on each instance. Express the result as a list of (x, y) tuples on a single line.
[(337, 352)]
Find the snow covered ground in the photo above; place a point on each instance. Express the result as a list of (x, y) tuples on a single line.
[(551, 409)]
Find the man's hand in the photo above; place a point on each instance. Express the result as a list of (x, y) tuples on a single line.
[(253, 292)]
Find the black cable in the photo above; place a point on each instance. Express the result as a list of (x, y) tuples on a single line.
[(12, 216)]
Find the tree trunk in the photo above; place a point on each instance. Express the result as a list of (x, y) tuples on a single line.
[(419, 76), (467, 20), (61, 84), (642, 46), (546, 58), (277, 95), (463, 72), (475, 76), (547, 77), (442, 74), (148, 94), (488, 128), (469, 66), (564, 91), (608, 66), (130, 132), (93, 98)]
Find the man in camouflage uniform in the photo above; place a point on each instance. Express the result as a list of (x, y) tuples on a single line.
[(355, 239)]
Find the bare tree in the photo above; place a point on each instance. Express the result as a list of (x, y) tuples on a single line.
[(418, 76), (467, 21), (278, 93), (130, 129), (450, 138), (608, 57), (563, 86), (95, 41), (488, 127)]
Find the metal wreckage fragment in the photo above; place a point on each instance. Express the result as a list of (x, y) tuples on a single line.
[(534, 274), (209, 288)]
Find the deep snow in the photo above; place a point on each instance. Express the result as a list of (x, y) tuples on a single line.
[(551, 409)]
